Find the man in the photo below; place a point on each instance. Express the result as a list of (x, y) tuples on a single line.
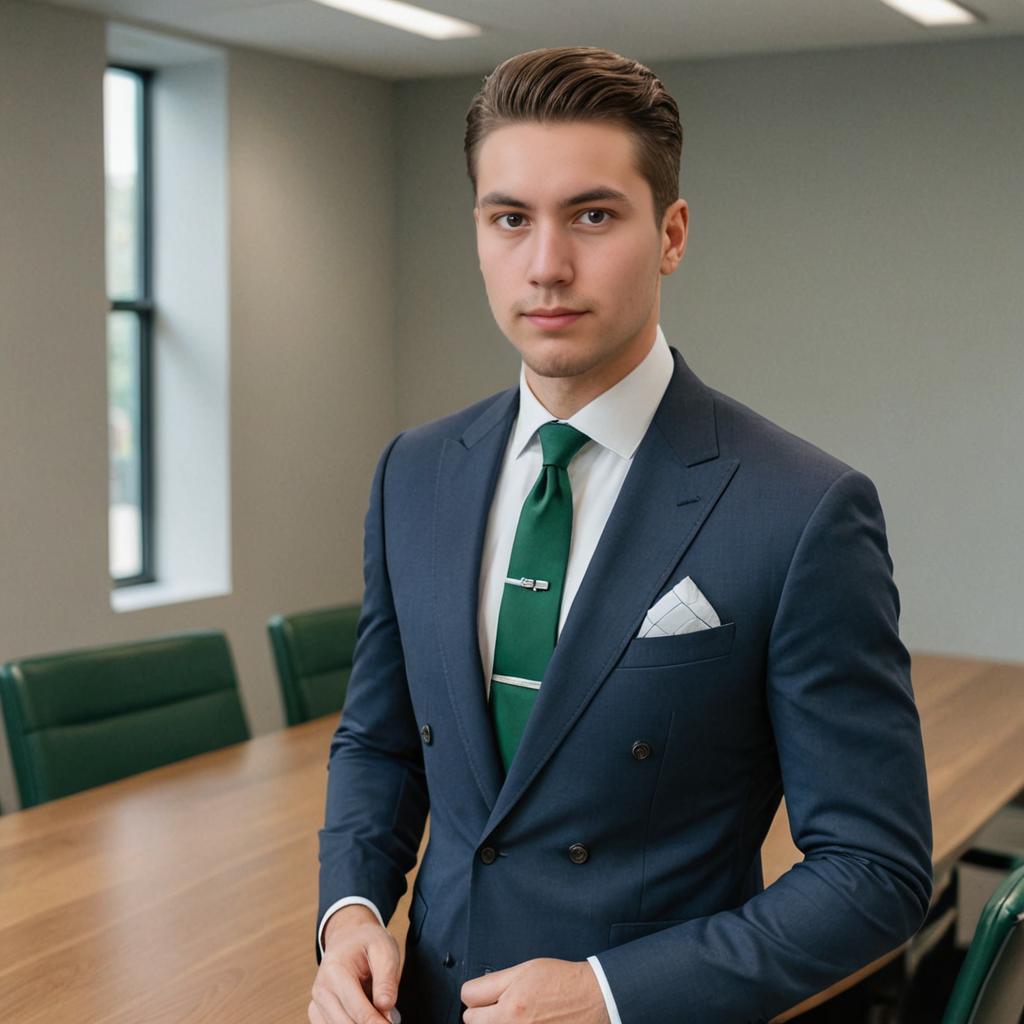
[(726, 624)]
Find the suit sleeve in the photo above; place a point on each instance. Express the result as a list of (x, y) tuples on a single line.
[(852, 764), (376, 788)]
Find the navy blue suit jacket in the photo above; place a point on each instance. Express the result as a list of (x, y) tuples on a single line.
[(804, 690)]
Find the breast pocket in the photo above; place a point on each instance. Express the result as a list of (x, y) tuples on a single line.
[(669, 651)]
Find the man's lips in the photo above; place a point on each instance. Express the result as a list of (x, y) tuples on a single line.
[(552, 319)]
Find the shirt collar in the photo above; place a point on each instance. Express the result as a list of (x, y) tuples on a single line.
[(618, 418)]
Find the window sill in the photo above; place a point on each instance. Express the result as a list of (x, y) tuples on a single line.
[(151, 595)]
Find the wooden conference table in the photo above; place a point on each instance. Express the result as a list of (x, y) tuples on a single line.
[(187, 894)]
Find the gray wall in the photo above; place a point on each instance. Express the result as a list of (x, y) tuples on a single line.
[(854, 273), (311, 352)]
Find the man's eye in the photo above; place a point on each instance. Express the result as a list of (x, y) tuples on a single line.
[(511, 220), (595, 217)]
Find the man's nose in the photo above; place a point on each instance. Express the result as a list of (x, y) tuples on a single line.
[(551, 260)]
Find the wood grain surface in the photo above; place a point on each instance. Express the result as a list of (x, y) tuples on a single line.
[(188, 894)]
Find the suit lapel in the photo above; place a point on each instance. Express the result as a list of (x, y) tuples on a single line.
[(466, 479), (676, 478)]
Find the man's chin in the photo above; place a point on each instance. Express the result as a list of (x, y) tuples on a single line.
[(558, 366), (557, 356)]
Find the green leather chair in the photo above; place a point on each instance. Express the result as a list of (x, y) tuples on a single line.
[(990, 986), (81, 718), (313, 654)]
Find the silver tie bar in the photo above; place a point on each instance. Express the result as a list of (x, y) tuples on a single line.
[(528, 584)]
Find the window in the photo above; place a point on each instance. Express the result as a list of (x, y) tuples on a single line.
[(168, 353), (129, 323)]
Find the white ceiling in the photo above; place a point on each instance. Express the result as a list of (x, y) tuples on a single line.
[(656, 30)]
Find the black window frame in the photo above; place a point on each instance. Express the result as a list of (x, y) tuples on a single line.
[(144, 310)]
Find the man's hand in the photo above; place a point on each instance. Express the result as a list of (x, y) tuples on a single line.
[(360, 963), (536, 991)]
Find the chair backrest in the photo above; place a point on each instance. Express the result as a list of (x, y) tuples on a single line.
[(313, 653), (81, 718), (990, 986)]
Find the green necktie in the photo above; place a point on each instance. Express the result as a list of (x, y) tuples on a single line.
[(532, 597)]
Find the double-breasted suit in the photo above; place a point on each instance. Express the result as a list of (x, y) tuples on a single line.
[(631, 820)]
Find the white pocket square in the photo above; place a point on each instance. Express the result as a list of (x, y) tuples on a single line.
[(684, 609)]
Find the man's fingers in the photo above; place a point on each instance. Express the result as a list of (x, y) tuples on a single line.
[(355, 1002), (482, 1015), (382, 955), (326, 1007), (317, 1017), (485, 990)]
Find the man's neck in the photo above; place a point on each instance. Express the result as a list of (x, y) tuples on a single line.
[(563, 397)]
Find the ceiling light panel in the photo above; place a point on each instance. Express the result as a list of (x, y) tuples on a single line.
[(933, 12), (407, 17)]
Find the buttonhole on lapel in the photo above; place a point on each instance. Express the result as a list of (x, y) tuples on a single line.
[(689, 501)]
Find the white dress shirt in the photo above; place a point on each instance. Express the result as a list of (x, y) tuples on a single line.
[(616, 422)]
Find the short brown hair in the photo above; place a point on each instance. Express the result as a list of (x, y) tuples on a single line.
[(584, 83)]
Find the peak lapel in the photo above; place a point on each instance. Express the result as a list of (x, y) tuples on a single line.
[(676, 478), (466, 479)]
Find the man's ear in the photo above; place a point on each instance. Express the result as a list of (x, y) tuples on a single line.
[(476, 215), (675, 226)]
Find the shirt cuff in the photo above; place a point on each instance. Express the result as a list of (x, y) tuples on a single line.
[(348, 901), (609, 999)]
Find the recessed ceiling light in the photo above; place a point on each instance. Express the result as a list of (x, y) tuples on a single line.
[(933, 12), (407, 17)]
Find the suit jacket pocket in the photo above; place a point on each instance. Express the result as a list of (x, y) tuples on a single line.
[(619, 934), (668, 651)]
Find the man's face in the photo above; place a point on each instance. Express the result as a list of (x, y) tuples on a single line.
[(565, 222)]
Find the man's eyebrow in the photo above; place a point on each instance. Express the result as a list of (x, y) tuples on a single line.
[(597, 195), (592, 195)]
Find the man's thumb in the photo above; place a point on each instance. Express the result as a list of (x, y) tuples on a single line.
[(383, 958)]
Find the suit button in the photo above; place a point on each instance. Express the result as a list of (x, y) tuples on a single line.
[(487, 855), (448, 961), (578, 853), (641, 750), (426, 735)]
